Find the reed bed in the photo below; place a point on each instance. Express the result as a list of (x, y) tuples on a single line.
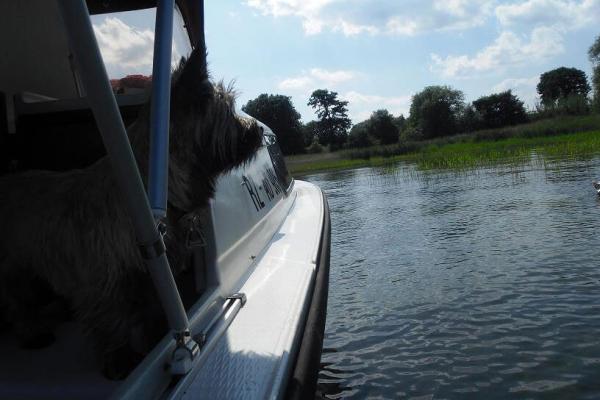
[(476, 153)]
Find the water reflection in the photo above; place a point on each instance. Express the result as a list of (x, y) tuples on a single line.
[(469, 284)]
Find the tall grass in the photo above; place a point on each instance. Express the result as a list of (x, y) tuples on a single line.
[(542, 128), (463, 155), (545, 127), (471, 155), (515, 150)]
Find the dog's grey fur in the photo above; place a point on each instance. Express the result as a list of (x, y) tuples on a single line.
[(69, 231)]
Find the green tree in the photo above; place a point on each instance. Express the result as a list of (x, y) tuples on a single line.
[(500, 109), (596, 83), (469, 120), (560, 83), (381, 127), (594, 55), (278, 112), (333, 121), (594, 51), (359, 135), (400, 123), (310, 132), (435, 111)]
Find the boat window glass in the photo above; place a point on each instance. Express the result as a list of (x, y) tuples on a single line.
[(37, 63), (278, 160), (126, 40)]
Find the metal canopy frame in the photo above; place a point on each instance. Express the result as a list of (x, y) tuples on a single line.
[(102, 101), (158, 176)]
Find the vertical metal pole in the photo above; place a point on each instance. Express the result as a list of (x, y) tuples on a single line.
[(102, 101), (201, 35), (158, 177)]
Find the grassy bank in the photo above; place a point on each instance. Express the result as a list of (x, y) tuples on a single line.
[(511, 150), (565, 137)]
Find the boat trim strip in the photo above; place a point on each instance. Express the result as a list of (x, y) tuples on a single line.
[(302, 383)]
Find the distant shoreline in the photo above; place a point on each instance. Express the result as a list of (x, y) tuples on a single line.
[(563, 137)]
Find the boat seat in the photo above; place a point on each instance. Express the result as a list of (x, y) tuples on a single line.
[(61, 134), (37, 374)]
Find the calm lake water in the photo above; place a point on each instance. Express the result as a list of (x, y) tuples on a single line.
[(484, 284)]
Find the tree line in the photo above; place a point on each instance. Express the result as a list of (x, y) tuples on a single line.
[(434, 112)]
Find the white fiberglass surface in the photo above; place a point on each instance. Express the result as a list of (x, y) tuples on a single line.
[(247, 210), (253, 358)]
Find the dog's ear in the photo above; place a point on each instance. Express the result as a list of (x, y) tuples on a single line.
[(191, 87)]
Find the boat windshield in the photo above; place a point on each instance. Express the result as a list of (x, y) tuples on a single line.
[(126, 40), (37, 63)]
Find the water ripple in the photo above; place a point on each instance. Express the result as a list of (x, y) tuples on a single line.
[(463, 286)]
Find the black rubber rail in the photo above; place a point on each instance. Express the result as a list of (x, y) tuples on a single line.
[(303, 381)]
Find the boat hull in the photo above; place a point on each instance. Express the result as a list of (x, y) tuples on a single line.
[(272, 348)]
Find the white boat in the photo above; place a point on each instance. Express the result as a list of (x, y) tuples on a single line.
[(255, 296)]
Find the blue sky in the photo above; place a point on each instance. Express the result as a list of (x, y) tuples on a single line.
[(375, 54)]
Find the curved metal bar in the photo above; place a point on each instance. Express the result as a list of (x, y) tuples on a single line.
[(158, 176)]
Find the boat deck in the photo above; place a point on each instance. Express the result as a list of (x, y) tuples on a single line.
[(252, 360), (64, 370)]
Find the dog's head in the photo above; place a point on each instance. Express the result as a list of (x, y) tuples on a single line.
[(207, 137), (205, 113)]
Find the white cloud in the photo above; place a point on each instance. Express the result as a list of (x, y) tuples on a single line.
[(317, 77), (508, 49), (549, 20), (360, 105), (402, 26), (279, 8), (296, 83), (561, 14), (351, 29), (332, 77), (126, 49), (524, 88), (514, 83), (391, 17), (124, 45), (410, 17)]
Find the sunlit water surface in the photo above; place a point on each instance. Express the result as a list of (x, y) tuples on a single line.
[(482, 284)]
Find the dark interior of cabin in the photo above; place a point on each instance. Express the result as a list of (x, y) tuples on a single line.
[(46, 124)]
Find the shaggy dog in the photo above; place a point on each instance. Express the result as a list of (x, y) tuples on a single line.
[(70, 232)]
